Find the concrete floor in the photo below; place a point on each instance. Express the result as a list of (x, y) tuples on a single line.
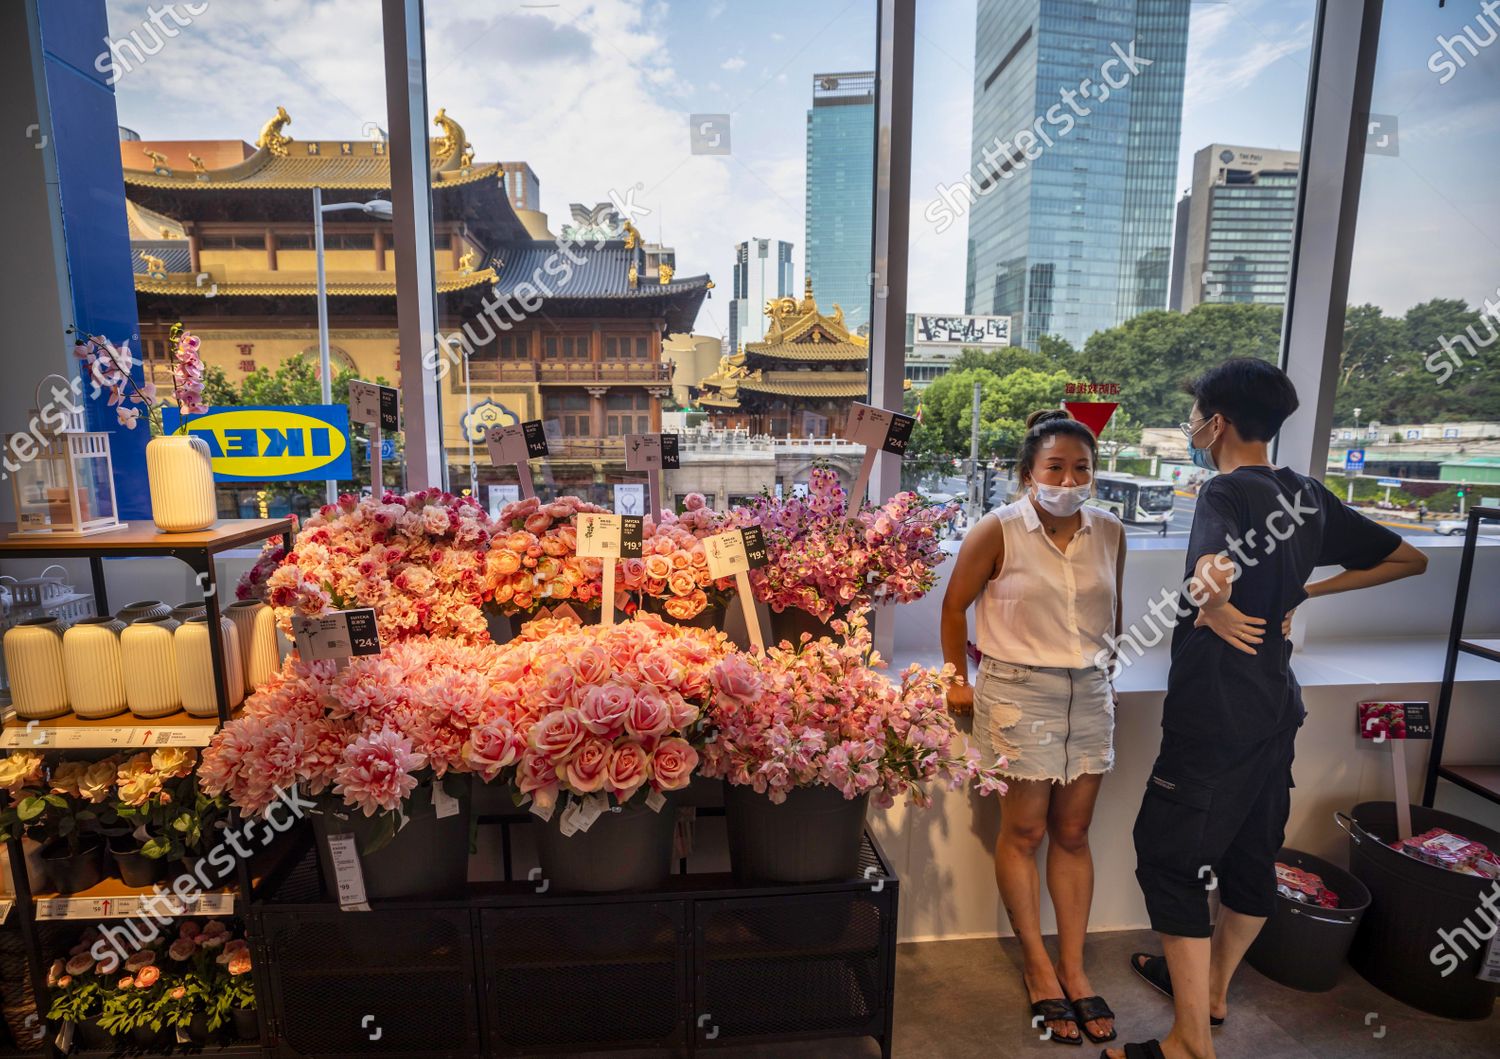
[(957, 999)]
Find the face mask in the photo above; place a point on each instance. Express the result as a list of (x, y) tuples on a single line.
[(1061, 500), (1203, 457)]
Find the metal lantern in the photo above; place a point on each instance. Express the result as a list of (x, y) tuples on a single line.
[(67, 485)]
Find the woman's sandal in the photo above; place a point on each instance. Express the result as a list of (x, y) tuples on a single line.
[(1091, 1009), (1148, 1050), (1154, 970), (1056, 1009)]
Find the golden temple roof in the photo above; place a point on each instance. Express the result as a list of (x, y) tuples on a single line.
[(372, 284)]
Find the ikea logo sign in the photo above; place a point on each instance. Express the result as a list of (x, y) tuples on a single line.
[(288, 443)]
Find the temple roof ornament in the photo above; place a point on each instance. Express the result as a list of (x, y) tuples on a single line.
[(271, 138), (447, 146)]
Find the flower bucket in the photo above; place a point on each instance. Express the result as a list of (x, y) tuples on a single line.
[(629, 848), (813, 836), (89, 1036), (244, 1023), (73, 873), (711, 617), (133, 866), (791, 623), (426, 858)]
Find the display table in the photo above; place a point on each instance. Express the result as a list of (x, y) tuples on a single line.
[(507, 970)]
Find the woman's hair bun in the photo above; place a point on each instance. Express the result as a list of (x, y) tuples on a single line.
[(1045, 415)]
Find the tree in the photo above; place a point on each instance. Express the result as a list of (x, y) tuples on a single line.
[(1005, 402)]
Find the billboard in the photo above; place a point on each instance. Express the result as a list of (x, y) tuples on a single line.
[(276, 443), (961, 330)]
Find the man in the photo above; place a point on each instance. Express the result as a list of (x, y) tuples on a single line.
[(1217, 801)]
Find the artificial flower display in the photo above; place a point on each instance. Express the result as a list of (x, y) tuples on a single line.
[(109, 368), (822, 712), (822, 558), (417, 558), (672, 570), (533, 557), (252, 583)]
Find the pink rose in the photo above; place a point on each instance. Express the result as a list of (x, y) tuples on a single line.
[(588, 769), (629, 767), (681, 583), (557, 733), (673, 763), (735, 678), (658, 668), (684, 713), (603, 709), (536, 774), (648, 715), (491, 747), (591, 666)]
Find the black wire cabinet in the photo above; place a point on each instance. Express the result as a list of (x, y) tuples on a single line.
[(703, 963), (1481, 778), (114, 901)]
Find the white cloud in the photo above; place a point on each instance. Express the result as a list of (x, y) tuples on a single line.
[(733, 64)]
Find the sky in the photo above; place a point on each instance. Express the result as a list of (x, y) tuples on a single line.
[(598, 96)]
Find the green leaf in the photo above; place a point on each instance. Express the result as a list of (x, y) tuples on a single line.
[(156, 848), (57, 801), (30, 808)]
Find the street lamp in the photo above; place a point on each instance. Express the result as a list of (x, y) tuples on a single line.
[(378, 208)]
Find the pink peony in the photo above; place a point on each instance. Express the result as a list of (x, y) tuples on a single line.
[(376, 771)]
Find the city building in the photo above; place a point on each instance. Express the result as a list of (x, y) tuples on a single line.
[(798, 382), (934, 342), (222, 240), (762, 273), (1071, 188), (1234, 239), (840, 193), (693, 357)]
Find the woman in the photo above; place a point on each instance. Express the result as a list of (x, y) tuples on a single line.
[(1046, 573)]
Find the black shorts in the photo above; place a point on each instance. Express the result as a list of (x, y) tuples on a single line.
[(1214, 814)]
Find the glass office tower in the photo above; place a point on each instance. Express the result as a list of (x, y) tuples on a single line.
[(1077, 120), (840, 191), (762, 272)]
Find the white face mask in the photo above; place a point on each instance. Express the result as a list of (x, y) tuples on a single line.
[(1061, 500)]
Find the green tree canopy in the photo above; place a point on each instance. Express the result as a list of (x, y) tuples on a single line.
[(1005, 402)]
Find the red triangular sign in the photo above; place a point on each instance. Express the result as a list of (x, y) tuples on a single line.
[(1092, 414)]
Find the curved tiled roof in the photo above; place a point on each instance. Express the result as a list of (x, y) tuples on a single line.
[(328, 167), (603, 273), (379, 283)]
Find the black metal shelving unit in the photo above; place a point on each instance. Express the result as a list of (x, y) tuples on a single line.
[(198, 550), (704, 963), (1482, 779)]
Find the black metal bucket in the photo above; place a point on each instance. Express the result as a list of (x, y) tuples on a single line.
[(1304, 946), (791, 623), (427, 858), (1414, 940), (813, 836), (626, 849)]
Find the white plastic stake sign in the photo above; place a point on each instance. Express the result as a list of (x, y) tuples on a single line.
[(343, 850), (340, 635), (735, 554), (652, 453), (379, 408), (611, 538), (518, 444), (878, 430)]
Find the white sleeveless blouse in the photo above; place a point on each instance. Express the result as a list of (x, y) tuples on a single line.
[(1050, 608)]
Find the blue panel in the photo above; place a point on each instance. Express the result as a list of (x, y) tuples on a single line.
[(84, 134), (273, 443)]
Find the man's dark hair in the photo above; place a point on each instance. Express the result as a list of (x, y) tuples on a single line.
[(1254, 395)]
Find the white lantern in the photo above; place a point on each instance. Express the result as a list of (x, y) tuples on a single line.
[(63, 483)]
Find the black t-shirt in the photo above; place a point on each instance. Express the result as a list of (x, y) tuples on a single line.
[(1277, 525)]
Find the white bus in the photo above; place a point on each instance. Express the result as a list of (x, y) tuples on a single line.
[(1134, 497)]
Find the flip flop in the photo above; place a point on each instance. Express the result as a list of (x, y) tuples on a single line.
[(1090, 1008), (1147, 1050), (1056, 1009), (1154, 970)]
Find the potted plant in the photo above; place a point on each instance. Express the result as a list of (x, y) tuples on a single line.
[(533, 564), (670, 578), (178, 467), (167, 818), (78, 1000), (608, 716), (804, 735), (133, 1008), (825, 561), (69, 824), (21, 774)]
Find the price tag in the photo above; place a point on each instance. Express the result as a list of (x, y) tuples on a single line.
[(443, 803), (610, 536), (567, 824), (734, 554), (341, 634), (375, 405), (652, 452), (592, 808), (507, 444), (542, 812), (879, 428), (1380, 721), (655, 800), (343, 850), (1489, 971)]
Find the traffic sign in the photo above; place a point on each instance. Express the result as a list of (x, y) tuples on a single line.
[(1354, 461)]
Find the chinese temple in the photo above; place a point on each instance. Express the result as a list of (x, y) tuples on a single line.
[(222, 239), (798, 381)]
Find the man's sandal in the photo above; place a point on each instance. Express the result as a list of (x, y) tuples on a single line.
[(1154, 970)]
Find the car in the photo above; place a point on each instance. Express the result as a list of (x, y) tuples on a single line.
[(1450, 526)]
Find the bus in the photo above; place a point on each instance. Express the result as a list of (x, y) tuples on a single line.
[(1134, 497)]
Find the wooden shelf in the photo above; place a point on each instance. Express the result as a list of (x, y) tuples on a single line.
[(123, 731), (142, 538), (1483, 780)]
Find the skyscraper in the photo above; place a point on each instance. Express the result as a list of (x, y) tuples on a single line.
[(840, 192), (1236, 245), (762, 271), (1077, 119)]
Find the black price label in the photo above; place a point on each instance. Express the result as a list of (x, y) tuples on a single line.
[(536, 439), (632, 536), (755, 546), (1418, 720), (364, 635), (670, 460), (899, 434), (390, 409)]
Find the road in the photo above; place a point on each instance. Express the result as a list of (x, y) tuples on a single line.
[(1182, 521)]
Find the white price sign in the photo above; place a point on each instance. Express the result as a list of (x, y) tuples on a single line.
[(343, 850), (375, 405), (735, 552), (341, 634), (651, 452), (879, 428), (610, 536)]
